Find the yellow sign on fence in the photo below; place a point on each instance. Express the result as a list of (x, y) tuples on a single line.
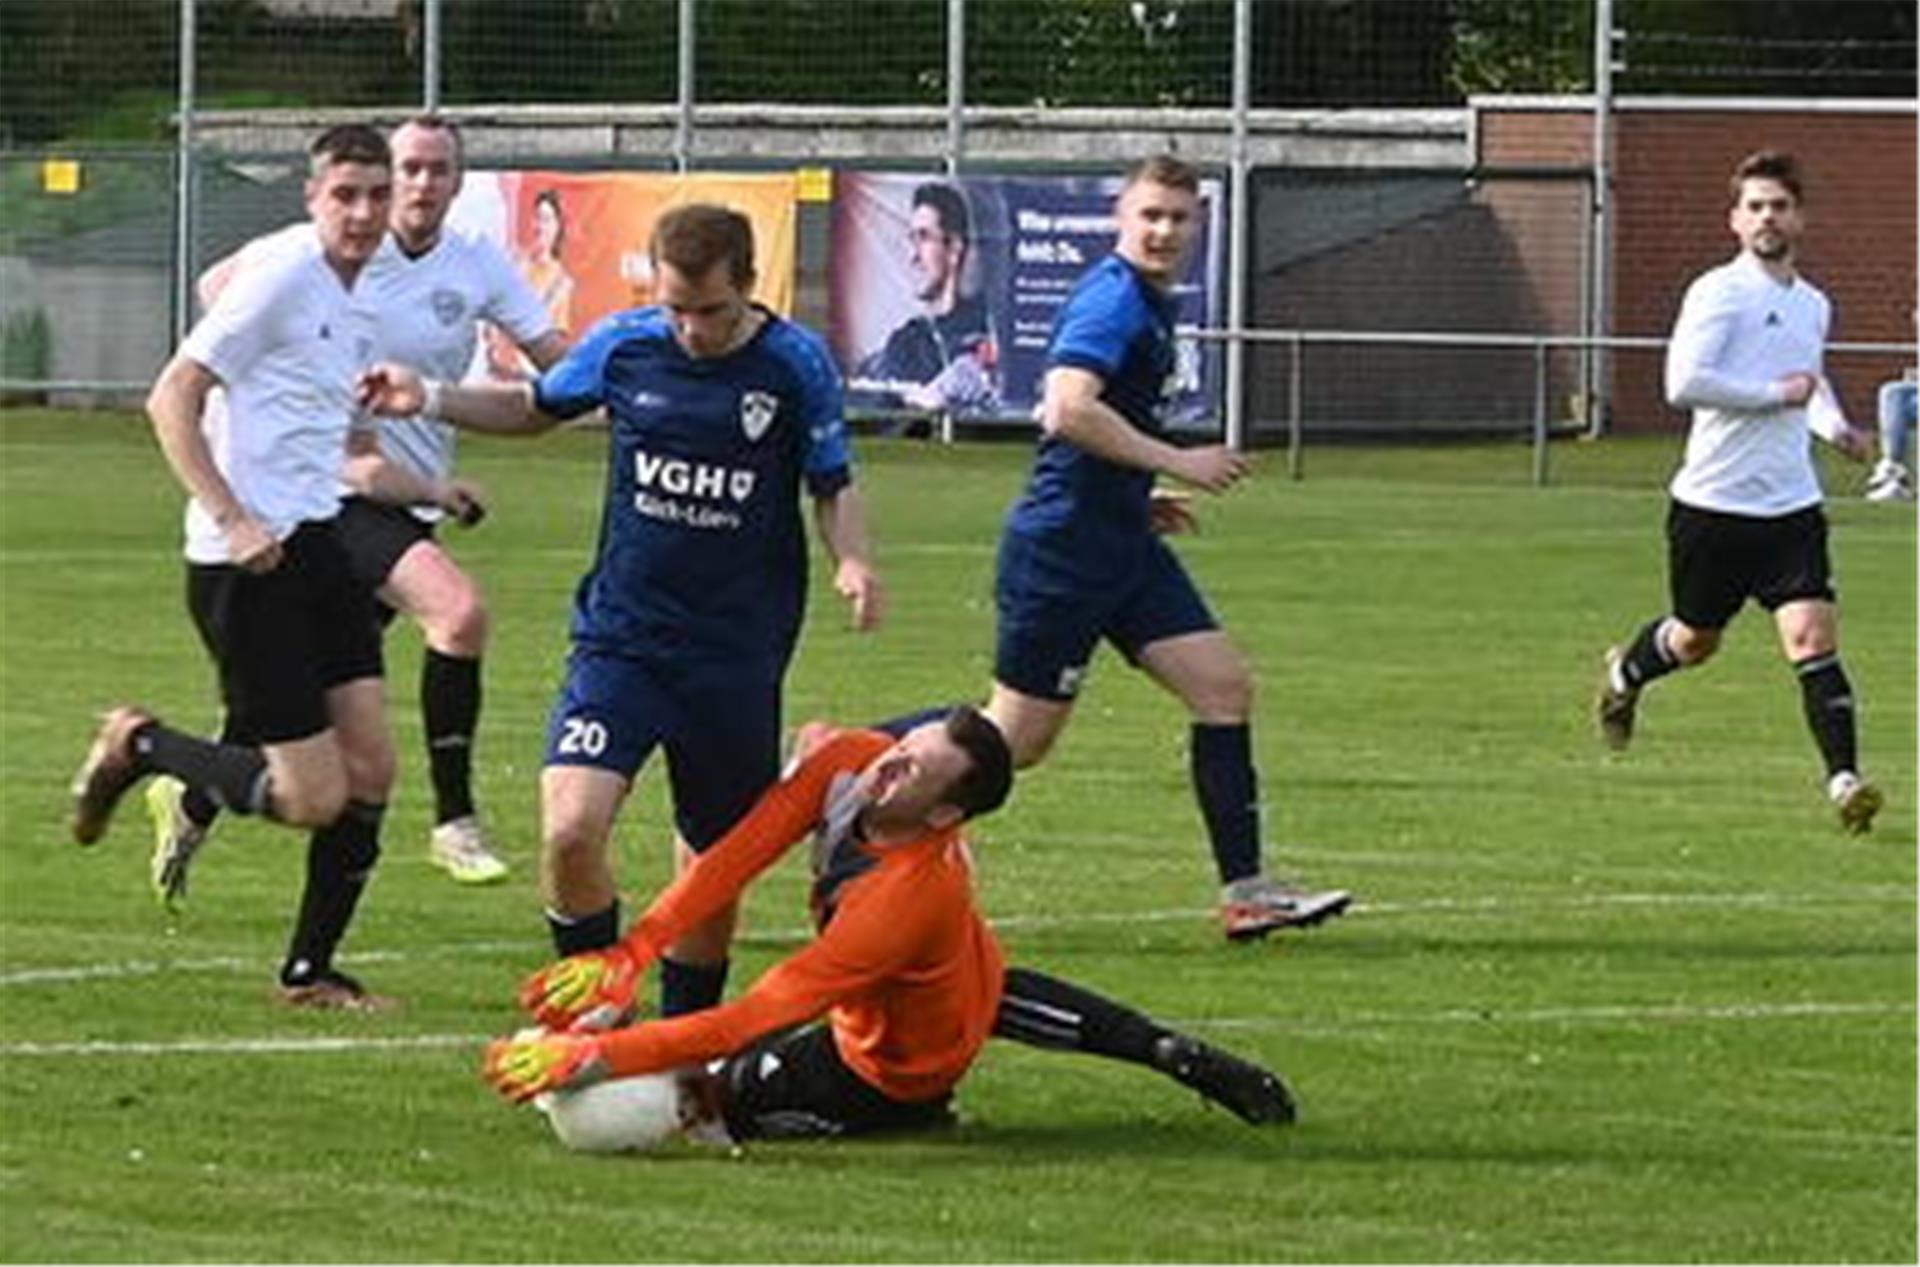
[(60, 176)]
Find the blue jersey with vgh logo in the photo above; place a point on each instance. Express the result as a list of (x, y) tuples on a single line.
[(1119, 326), (702, 553)]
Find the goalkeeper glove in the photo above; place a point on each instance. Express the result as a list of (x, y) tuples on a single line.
[(590, 991), (533, 1061)]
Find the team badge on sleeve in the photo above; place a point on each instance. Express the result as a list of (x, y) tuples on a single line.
[(756, 412)]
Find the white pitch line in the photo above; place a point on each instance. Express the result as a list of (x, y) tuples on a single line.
[(241, 1046), (1870, 896), (1600, 1015)]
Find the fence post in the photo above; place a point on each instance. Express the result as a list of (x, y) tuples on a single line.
[(1293, 405), (183, 182), (1539, 412), (1238, 220), (1601, 291), (956, 84), (430, 58), (683, 118)]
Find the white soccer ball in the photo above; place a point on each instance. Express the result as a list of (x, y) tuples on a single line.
[(618, 1116)]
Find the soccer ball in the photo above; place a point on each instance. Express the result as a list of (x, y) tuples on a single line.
[(618, 1116)]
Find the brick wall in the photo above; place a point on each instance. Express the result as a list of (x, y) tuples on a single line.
[(1670, 202)]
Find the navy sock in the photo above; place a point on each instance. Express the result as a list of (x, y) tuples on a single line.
[(229, 775), (1221, 759), (1827, 697), (449, 713), (690, 987), (1648, 656), (340, 860), (576, 935)]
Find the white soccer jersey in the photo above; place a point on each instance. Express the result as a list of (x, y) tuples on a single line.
[(1738, 334), (287, 340), (425, 313)]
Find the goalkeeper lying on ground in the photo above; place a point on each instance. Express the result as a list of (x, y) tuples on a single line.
[(906, 972)]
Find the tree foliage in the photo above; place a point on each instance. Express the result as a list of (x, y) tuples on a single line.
[(72, 70)]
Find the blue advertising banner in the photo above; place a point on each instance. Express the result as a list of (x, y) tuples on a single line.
[(943, 292)]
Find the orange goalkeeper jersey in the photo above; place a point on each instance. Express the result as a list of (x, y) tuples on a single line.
[(902, 965)]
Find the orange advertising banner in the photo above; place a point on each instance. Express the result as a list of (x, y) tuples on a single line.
[(580, 238)]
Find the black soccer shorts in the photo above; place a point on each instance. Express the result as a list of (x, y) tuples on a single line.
[(1716, 561), (283, 639), (794, 1085)]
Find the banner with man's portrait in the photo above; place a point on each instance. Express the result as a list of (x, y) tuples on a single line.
[(580, 238), (943, 292)]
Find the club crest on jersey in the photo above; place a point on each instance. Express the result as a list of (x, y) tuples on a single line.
[(756, 412), (448, 305)]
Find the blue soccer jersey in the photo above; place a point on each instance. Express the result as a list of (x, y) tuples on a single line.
[(702, 553), (1117, 325)]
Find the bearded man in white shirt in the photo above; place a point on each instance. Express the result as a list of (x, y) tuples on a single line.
[(1745, 519)]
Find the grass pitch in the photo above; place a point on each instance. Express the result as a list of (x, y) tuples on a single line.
[(1647, 1008)]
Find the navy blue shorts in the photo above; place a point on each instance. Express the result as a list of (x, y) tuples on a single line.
[(719, 724), (1052, 614)]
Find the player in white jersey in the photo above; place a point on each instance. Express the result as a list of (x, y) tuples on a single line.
[(1745, 519), (252, 414), (427, 287)]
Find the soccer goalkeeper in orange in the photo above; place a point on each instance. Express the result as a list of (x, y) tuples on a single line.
[(906, 972)]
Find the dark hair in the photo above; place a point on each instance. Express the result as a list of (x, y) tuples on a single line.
[(1162, 169), (989, 777), (949, 205), (551, 197), (698, 237), (439, 123), (1775, 165), (348, 143)]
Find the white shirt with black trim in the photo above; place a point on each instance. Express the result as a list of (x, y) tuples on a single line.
[(1739, 332), (287, 340), (426, 309)]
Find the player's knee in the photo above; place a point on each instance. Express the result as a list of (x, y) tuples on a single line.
[(460, 628), (309, 798), (1805, 644), (1691, 645), (570, 841), (370, 771), (1223, 695), (1030, 745)]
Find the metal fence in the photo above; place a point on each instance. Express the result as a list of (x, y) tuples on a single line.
[(1373, 277)]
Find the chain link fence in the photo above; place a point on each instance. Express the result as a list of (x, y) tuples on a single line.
[(91, 189)]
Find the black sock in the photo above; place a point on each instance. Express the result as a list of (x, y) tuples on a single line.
[(898, 726), (200, 808), (340, 858), (1044, 1011), (576, 935), (1828, 699), (1648, 656), (1221, 759), (690, 987), (229, 775), (449, 712)]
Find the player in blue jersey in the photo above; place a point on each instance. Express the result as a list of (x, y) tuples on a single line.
[(719, 413), (1081, 557)]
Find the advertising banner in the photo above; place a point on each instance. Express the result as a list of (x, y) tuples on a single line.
[(580, 238), (943, 292)]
